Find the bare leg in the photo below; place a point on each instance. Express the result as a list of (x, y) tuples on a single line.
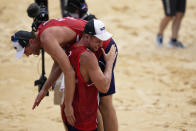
[(100, 121), (108, 112), (176, 25), (163, 24)]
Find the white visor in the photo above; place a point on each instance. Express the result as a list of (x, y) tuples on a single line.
[(19, 49)]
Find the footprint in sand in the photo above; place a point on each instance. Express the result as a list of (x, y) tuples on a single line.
[(193, 85), (124, 125), (132, 31), (123, 8), (193, 114), (5, 60), (119, 100), (123, 26), (192, 101), (2, 9), (57, 119), (23, 129)]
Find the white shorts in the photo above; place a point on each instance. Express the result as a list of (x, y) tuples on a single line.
[(58, 90)]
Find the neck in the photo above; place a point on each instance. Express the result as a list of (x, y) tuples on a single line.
[(81, 42), (36, 34)]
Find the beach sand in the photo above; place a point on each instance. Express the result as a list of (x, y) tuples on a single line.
[(155, 86)]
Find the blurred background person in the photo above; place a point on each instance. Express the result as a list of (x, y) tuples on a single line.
[(174, 11)]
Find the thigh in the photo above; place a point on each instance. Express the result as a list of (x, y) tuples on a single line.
[(57, 93), (106, 101), (169, 7), (181, 6)]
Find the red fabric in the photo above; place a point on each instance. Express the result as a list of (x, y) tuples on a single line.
[(74, 24), (85, 103)]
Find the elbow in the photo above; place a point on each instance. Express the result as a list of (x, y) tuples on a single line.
[(104, 85), (70, 73), (104, 89)]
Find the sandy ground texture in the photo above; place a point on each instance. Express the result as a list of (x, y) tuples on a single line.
[(156, 87)]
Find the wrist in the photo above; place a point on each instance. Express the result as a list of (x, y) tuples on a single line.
[(44, 89), (109, 63), (67, 104)]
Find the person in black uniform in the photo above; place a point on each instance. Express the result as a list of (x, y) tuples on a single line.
[(76, 8), (174, 10)]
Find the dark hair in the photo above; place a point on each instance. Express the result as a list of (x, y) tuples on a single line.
[(89, 27), (23, 37)]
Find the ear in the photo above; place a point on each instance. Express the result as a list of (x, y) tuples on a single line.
[(86, 36), (31, 41), (34, 42), (89, 36)]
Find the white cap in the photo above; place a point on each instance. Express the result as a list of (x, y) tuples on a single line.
[(19, 49), (97, 28)]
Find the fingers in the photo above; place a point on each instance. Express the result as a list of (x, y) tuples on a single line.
[(69, 113), (103, 51), (34, 105), (112, 53), (113, 48), (38, 100), (71, 120)]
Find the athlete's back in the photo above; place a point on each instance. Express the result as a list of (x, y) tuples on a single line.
[(77, 25)]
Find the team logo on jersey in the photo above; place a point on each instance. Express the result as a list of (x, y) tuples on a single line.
[(70, 53)]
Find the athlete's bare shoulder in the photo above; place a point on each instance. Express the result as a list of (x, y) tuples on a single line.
[(88, 59), (61, 34)]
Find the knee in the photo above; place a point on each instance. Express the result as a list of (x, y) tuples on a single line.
[(179, 16), (168, 18), (106, 104)]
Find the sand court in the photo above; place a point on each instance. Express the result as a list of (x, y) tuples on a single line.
[(156, 87)]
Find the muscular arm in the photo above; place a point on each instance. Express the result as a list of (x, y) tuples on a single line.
[(89, 63), (52, 47), (54, 74)]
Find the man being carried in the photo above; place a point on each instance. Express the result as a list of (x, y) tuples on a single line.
[(53, 36)]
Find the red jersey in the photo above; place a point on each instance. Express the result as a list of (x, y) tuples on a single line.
[(77, 25), (85, 102)]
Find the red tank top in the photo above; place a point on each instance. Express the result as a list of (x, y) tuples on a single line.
[(85, 102), (77, 25)]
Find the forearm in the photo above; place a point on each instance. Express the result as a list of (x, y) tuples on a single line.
[(108, 74), (54, 74), (69, 87)]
